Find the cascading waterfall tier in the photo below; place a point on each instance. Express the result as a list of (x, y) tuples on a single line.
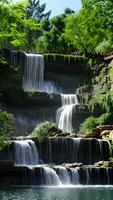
[(59, 175), (59, 150), (50, 177), (64, 115), (72, 150), (26, 153), (33, 72)]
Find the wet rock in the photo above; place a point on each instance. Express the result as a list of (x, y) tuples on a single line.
[(64, 134), (96, 132), (105, 134), (104, 164), (73, 135), (6, 164), (105, 127), (72, 165)]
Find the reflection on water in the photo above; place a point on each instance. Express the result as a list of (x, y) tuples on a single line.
[(56, 193)]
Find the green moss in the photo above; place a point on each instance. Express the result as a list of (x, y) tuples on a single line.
[(65, 58)]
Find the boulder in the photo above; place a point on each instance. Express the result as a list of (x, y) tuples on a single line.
[(96, 132), (104, 164), (111, 64), (105, 127), (111, 135), (105, 134), (72, 165)]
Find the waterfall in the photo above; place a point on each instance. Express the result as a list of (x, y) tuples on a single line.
[(26, 153), (63, 175), (64, 115), (14, 58), (51, 177), (33, 72), (68, 99), (60, 176), (72, 150), (75, 176)]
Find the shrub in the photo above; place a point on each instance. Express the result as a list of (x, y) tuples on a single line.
[(44, 129), (5, 127), (92, 122), (105, 101), (104, 119), (88, 124)]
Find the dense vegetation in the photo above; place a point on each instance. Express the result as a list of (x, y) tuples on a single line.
[(5, 127), (25, 25), (44, 130)]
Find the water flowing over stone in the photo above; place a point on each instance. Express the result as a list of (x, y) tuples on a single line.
[(51, 87), (51, 177), (72, 150), (33, 72), (75, 176), (26, 153), (14, 58), (95, 176), (63, 175), (64, 115), (68, 99)]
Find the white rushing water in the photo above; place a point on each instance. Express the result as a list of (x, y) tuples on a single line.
[(60, 176), (33, 72), (51, 177), (74, 176), (64, 175), (64, 115), (26, 153)]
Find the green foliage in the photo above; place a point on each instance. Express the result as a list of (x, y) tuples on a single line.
[(105, 101), (54, 35), (104, 47), (90, 29), (88, 124), (20, 24), (44, 130), (104, 118), (92, 122), (5, 127)]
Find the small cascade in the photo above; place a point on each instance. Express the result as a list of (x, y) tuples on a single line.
[(60, 176), (64, 115), (33, 73), (26, 153), (75, 176), (50, 177), (51, 87), (14, 58), (63, 175)]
